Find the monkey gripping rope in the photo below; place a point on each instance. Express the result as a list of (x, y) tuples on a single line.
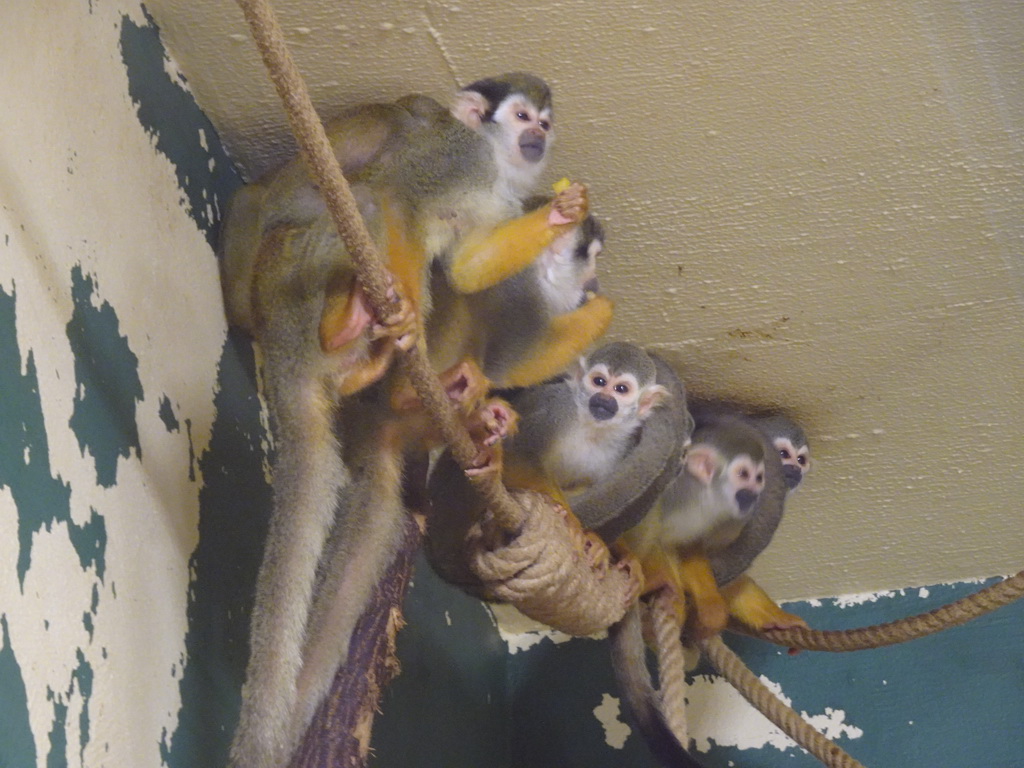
[(589, 599)]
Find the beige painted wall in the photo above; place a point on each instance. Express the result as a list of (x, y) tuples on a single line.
[(816, 205)]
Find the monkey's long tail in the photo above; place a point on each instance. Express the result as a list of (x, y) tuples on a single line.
[(630, 665)]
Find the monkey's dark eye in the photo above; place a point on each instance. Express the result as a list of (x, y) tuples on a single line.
[(544, 125), (622, 389), (784, 453), (599, 381), (760, 478), (744, 474), (801, 460), (522, 116)]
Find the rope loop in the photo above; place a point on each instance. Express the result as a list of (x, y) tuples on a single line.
[(550, 571)]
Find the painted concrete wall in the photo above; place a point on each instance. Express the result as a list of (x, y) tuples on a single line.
[(134, 494)]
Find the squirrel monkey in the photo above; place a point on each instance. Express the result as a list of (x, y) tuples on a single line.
[(554, 301), (790, 442), (434, 186), (731, 475), (574, 431)]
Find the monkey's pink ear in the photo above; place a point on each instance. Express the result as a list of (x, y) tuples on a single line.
[(651, 398), (702, 462), (470, 108)]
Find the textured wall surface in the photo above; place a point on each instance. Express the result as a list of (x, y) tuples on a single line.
[(814, 206), (871, 159)]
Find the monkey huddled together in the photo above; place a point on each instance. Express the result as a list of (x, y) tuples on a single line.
[(499, 288)]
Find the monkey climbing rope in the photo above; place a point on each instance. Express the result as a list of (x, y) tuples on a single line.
[(607, 590)]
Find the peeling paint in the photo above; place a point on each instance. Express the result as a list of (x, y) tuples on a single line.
[(17, 748), (107, 381), (608, 713)]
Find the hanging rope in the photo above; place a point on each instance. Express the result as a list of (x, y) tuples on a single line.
[(732, 669), (954, 614), (506, 518), (671, 665)]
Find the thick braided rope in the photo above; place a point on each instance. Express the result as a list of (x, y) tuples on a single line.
[(956, 613), (732, 669), (545, 573), (671, 665), (585, 589)]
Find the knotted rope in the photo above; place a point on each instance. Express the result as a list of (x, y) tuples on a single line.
[(505, 513)]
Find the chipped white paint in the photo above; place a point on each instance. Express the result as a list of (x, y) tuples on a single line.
[(609, 714), (82, 183), (520, 632), (718, 713)]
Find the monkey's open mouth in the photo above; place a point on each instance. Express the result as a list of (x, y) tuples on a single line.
[(532, 149)]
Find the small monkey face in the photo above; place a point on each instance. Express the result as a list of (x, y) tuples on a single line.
[(746, 479), (796, 462), (609, 394), (528, 129)]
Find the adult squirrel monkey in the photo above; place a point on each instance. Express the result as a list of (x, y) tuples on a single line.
[(434, 186), (732, 480)]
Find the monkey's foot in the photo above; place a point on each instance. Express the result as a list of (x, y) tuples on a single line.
[(588, 543), (464, 383), (570, 206), (486, 462), (401, 326), (751, 605)]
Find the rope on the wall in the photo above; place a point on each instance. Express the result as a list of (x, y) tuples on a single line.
[(954, 614), (736, 672)]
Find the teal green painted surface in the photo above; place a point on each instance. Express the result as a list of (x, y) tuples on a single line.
[(79, 687), (182, 132), (954, 699), (40, 498), (451, 698), (107, 375), (17, 748), (167, 415)]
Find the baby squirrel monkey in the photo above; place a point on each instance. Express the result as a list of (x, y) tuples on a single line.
[(554, 302), (790, 443), (434, 186), (574, 431)]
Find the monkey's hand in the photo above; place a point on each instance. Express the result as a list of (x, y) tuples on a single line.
[(570, 206)]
